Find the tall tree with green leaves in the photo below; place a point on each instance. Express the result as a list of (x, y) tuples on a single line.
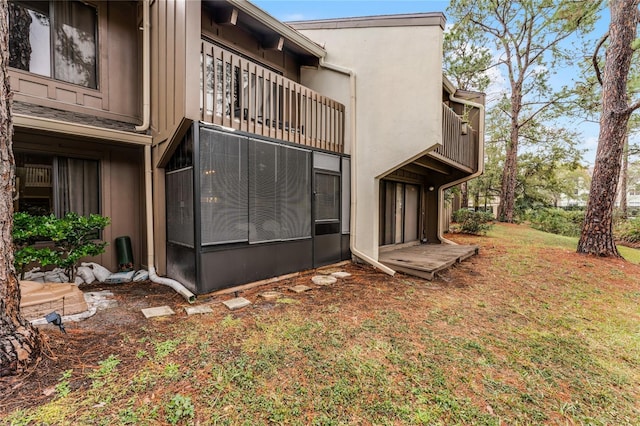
[(597, 231), (466, 65), (531, 40), (20, 343)]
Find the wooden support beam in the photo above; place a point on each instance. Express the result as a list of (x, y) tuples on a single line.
[(227, 17), (274, 43)]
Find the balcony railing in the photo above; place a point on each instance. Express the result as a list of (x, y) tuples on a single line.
[(459, 140), (243, 95)]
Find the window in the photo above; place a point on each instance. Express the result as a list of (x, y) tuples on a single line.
[(54, 39), (48, 184)]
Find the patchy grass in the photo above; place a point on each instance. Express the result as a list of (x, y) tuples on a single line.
[(528, 332)]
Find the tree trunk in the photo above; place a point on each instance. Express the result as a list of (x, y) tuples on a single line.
[(506, 207), (597, 231), (20, 343), (464, 195), (624, 180), (507, 204)]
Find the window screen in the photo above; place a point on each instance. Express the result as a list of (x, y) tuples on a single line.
[(179, 190), (327, 196), (264, 224), (223, 187), (295, 191), (346, 195)]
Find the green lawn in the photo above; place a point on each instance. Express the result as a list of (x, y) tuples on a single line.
[(528, 332)]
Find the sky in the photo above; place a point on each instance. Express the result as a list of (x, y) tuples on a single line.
[(289, 10)]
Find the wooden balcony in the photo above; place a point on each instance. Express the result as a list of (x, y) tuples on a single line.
[(243, 95), (459, 142)]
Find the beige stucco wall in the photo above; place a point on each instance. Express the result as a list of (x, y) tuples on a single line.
[(398, 78)]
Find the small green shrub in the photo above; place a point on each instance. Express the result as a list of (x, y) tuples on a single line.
[(628, 231), (178, 408), (106, 368), (472, 222), (72, 238), (557, 221)]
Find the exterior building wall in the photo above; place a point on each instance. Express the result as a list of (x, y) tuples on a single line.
[(175, 59), (398, 78), (54, 118), (117, 95), (121, 184)]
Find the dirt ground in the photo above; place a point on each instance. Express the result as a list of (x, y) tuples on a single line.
[(90, 341), (118, 330)]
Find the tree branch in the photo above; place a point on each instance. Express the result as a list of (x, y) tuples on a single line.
[(634, 107), (594, 59)]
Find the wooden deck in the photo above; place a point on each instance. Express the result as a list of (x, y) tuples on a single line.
[(424, 260)]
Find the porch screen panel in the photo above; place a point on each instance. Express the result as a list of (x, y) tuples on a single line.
[(179, 199), (264, 222), (327, 197), (346, 195), (294, 183), (223, 187)]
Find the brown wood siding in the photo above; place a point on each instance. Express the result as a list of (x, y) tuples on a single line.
[(174, 44), (460, 149), (121, 185), (118, 72), (239, 39)]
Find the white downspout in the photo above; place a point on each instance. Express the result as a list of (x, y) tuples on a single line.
[(148, 175), (352, 240), (146, 68), (464, 179)]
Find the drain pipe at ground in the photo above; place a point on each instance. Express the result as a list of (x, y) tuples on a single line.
[(182, 290), (352, 240)]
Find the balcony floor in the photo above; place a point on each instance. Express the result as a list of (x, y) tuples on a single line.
[(424, 260)]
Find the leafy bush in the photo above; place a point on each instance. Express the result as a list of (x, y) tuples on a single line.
[(557, 221), (628, 231), (472, 222), (71, 238)]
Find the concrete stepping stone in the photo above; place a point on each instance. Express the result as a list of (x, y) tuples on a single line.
[(324, 280), (200, 309), (341, 274), (160, 311), (236, 303), (300, 288), (270, 295)]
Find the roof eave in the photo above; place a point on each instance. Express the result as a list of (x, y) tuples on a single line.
[(279, 27)]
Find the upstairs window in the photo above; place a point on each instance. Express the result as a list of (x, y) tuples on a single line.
[(54, 39)]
